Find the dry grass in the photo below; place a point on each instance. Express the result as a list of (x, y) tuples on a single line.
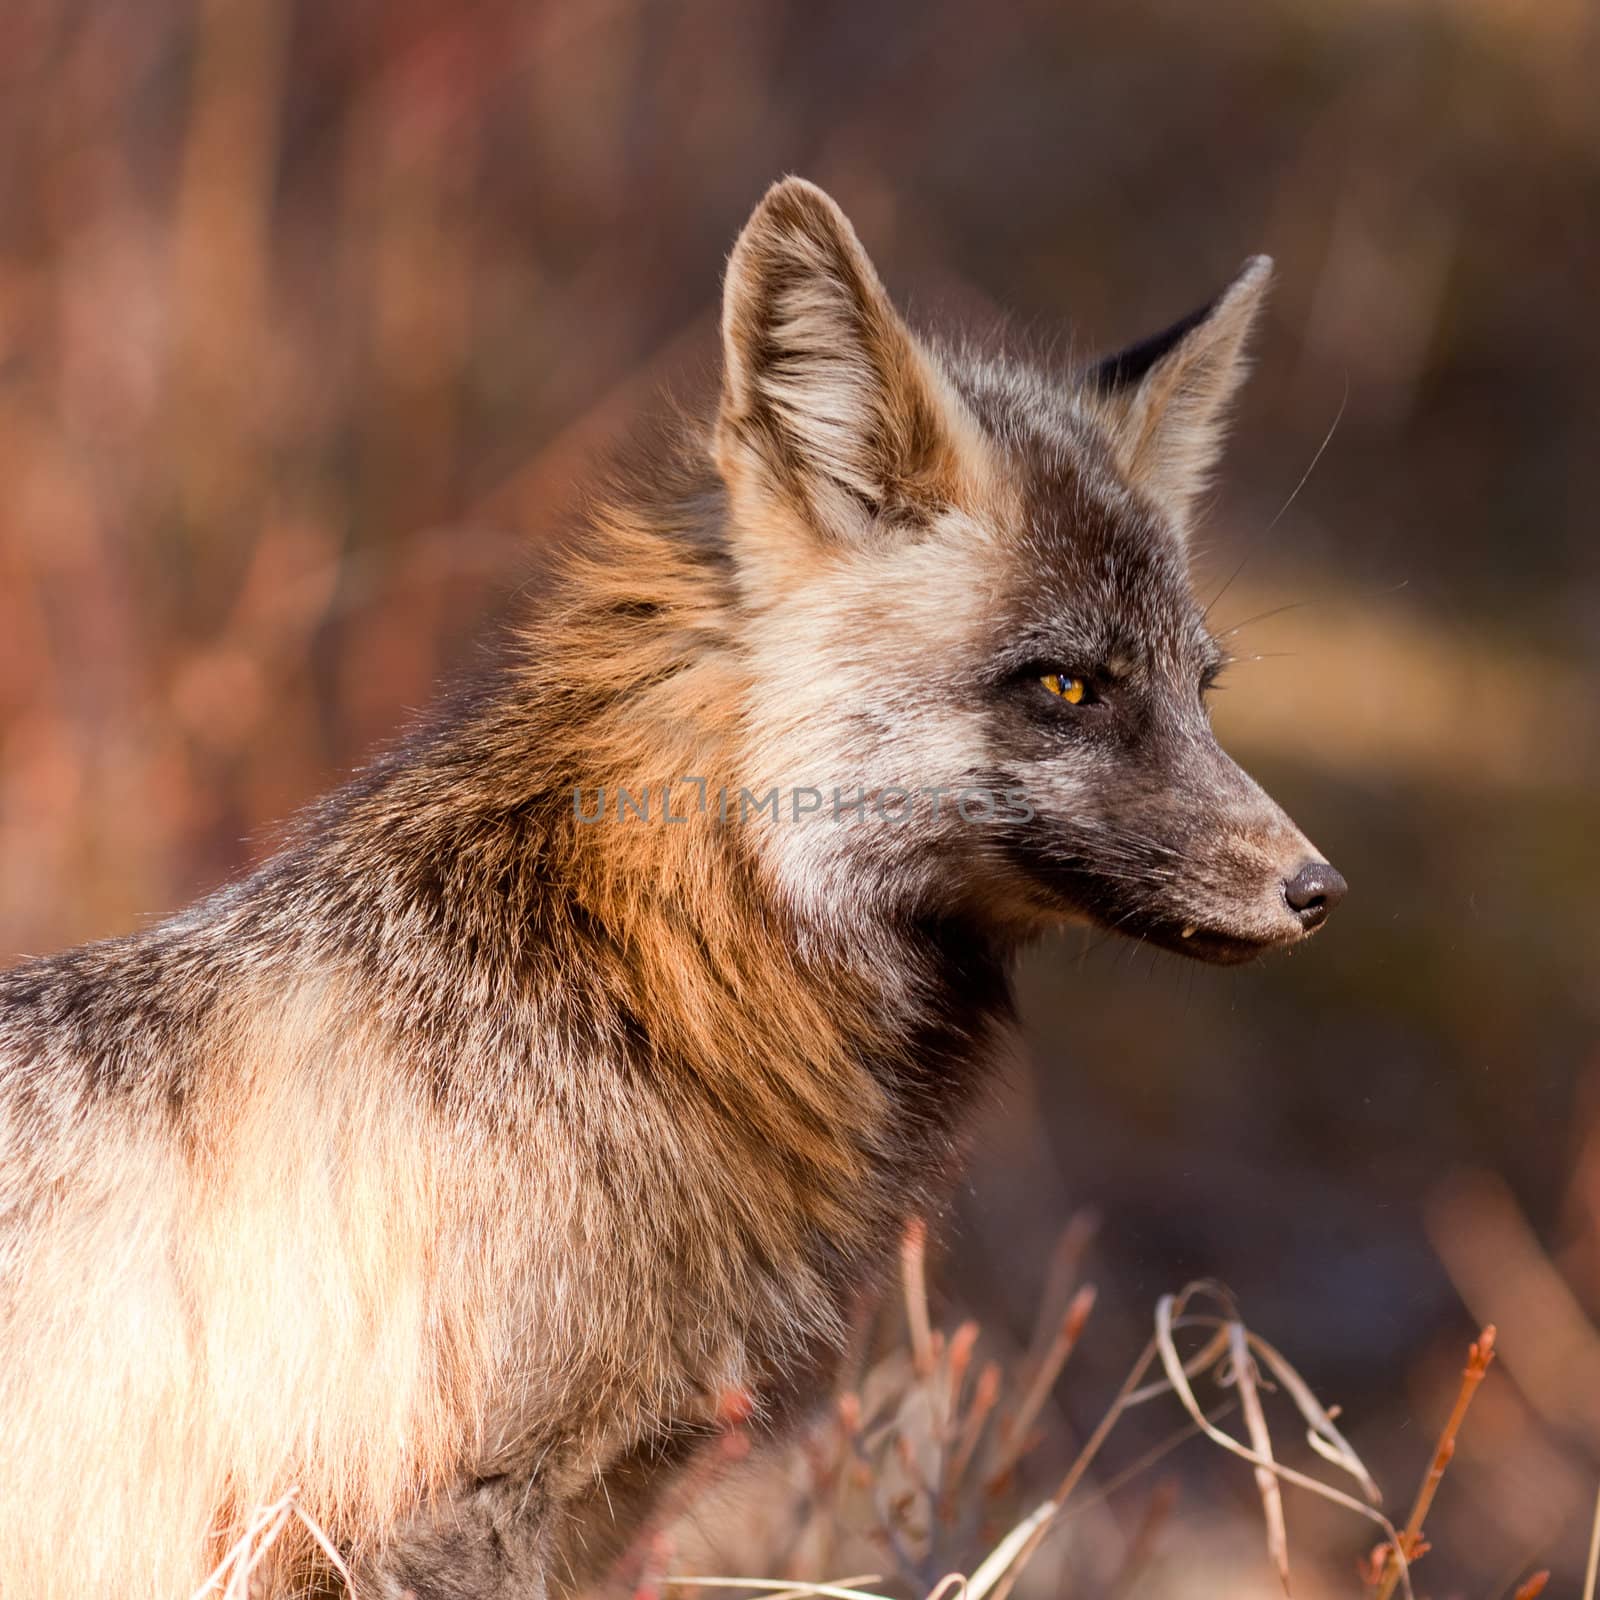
[(920, 1482), (234, 1576), (925, 1451)]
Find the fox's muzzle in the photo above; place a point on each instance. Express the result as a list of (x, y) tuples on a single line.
[(1250, 880), (1192, 855)]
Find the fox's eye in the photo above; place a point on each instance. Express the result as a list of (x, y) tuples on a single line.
[(1066, 687)]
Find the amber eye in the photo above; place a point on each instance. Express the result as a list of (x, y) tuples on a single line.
[(1066, 687)]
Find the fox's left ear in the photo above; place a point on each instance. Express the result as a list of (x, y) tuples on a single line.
[(830, 407), (1164, 403)]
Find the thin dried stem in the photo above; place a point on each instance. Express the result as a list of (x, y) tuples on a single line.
[(782, 1589), (232, 1574), (1142, 1546), (914, 1276), (1044, 1378), (1061, 1278), (1255, 1419), (1143, 1464), (998, 1570), (984, 1395), (958, 1360), (1594, 1552), (242, 1557), (1479, 1357)]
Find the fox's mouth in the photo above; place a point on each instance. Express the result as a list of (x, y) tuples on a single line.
[(1219, 947), (1216, 946)]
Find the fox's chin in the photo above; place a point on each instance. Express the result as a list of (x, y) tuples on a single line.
[(1220, 948), (1216, 946)]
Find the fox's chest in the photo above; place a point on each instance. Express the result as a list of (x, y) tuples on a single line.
[(650, 1463), (710, 1231)]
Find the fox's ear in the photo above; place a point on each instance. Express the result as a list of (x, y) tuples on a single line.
[(1165, 402), (828, 402)]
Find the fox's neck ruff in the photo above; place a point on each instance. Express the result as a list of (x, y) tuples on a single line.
[(845, 1045)]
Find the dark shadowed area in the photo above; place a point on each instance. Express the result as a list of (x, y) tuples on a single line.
[(314, 319)]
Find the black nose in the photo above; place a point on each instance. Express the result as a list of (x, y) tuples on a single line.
[(1314, 891)]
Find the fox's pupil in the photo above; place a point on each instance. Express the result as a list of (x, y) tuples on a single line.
[(1065, 686)]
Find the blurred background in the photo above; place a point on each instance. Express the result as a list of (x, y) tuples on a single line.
[(313, 319)]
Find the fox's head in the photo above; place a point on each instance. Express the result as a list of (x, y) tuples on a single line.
[(978, 670)]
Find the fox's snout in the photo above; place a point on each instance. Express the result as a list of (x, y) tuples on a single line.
[(1285, 893), (1289, 906), (1205, 863)]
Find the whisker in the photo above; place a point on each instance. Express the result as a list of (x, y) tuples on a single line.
[(1327, 439), (1282, 511), (1261, 616), (1226, 586)]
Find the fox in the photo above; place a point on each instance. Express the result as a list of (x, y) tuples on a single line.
[(571, 1074)]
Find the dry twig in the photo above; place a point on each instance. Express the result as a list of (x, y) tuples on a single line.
[(1410, 1544)]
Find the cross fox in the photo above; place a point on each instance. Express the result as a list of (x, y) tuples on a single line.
[(578, 1066)]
